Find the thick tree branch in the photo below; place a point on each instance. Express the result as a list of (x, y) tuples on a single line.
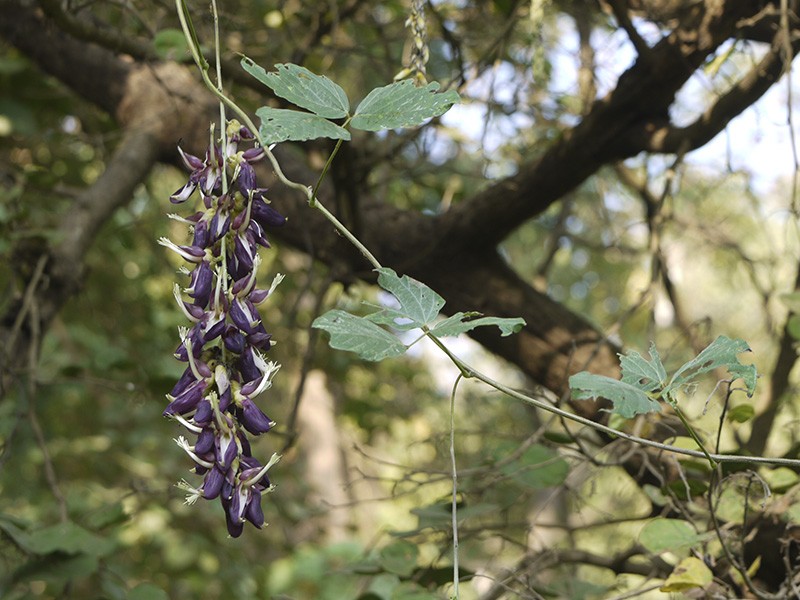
[(751, 87), (63, 272), (611, 131)]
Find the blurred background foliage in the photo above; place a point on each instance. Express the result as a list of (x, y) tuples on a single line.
[(361, 508)]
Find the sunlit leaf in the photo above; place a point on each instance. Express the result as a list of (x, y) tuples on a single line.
[(462, 322), (690, 573), (303, 88), (401, 104), (741, 413), (280, 125), (721, 353), (629, 400), (418, 303), (356, 334), (646, 374), (660, 535)]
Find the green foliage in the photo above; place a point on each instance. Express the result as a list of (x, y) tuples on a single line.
[(662, 535), (418, 307), (397, 105), (300, 86), (644, 382), (401, 104), (280, 125)]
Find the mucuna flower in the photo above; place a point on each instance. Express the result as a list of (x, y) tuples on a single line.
[(216, 397)]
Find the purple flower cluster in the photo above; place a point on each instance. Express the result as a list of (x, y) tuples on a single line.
[(224, 348)]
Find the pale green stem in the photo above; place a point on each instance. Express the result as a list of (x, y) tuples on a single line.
[(455, 484), (468, 371)]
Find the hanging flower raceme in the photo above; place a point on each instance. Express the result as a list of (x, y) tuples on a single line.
[(215, 398)]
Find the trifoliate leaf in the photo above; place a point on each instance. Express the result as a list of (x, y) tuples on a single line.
[(303, 88), (418, 303), (462, 322), (721, 353), (356, 334), (637, 370), (690, 573), (629, 400), (280, 125), (660, 535), (401, 104)]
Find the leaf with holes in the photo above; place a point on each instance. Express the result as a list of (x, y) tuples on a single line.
[(280, 125), (356, 334), (629, 400), (419, 304), (303, 88), (462, 322), (401, 104), (721, 353), (648, 375)]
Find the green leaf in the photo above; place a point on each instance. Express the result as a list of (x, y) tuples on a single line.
[(356, 334), (303, 88), (660, 535), (721, 353), (170, 44), (399, 557), (280, 125), (401, 104), (538, 467), (741, 413), (69, 538), (690, 573), (418, 303), (462, 322), (793, 326), (629, 400), (637, 370)]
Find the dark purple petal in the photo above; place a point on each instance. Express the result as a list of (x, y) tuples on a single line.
[(246, 178), (234, 341), (265, 215), (212, 484), (234, 528), (202, 236), (205, 442), (186, 401), (204, 413), (247, 366), (258, 296), (255, 421), (186, 379), (225, 400), (253, 512), (244, 315), (201, 283), (192, 162), (260, 340)]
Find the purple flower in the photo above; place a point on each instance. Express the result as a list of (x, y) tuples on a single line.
[(215, 397)]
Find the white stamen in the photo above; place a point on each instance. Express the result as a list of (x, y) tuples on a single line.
[(251, 480)]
